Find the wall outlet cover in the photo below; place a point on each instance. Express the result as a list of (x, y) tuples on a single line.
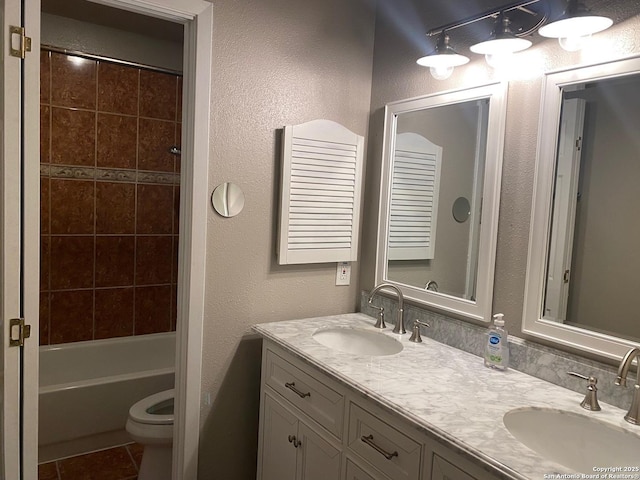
[(343, 273)]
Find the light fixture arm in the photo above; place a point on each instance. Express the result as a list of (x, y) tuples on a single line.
[(493, 13)]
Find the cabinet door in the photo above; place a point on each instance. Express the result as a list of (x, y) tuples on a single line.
[(278, 453), (318, 459)]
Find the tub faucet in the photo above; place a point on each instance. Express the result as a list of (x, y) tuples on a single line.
[(399, 327), (633, 416)]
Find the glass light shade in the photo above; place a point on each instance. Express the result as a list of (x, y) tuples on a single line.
[(443, 60), (441, 73), (499, 60), (579, 26), (499, 46), (573, 44)]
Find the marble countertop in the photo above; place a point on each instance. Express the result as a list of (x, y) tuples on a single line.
[(446, 392)]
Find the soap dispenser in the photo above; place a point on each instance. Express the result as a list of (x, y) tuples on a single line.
[(496, 353)]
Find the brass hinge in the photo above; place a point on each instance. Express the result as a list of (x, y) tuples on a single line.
[(25, 42), (22, 331)]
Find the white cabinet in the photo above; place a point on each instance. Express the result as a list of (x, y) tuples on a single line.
[(291, 450), (391, 451), (314, 428), (353, 471), (318, 459), (443, 470), (278, 453)]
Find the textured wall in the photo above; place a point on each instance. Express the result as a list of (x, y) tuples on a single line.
[(275, 62), (396, 76)]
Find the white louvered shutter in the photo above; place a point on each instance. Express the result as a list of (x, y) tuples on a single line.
[(414, 198), (321, 191)]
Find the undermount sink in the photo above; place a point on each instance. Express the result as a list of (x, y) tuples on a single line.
[(578, 442), (357, 341)]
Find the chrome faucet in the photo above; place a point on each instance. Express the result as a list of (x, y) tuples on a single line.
[(633, 416), (399, 327)]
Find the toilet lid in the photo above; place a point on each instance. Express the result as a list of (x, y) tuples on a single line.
[(156, 409)]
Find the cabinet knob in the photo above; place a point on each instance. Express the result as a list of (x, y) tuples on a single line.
[(295, 441)]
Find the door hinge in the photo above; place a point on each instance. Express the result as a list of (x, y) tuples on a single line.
[(579, 143), (18, 331), (565, 277), (24, 42)]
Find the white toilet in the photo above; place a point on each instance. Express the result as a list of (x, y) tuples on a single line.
[(150, 423)]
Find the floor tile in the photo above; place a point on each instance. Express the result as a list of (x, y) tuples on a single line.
[(47, 471), (112, 464), (136, 452)]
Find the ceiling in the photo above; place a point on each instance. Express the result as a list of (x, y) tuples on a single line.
[(438, 12), (90, 12)]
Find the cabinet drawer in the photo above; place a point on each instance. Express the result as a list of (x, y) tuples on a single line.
[(320, 402), (392, 452), (443, 470), (355, 472)]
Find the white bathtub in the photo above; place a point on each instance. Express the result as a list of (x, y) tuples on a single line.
[(87, 388)]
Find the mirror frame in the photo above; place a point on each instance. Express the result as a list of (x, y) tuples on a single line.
[(548, 132), (480, 309)]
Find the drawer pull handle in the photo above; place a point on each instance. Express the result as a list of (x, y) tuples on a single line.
[(369, 441), (295, 441), (292, 386)]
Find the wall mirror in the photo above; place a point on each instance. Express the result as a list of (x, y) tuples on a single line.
[(437, 149), (582, 274)]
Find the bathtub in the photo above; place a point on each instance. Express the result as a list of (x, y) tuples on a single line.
[(87, 388)]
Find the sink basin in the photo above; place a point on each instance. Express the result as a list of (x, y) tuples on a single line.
[(578, 442), (357, 341)]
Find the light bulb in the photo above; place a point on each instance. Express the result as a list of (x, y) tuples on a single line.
[(575, 43), (499, 60), (441, 72)]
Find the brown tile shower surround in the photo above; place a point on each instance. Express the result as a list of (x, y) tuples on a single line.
[(109, 199), (119, 463)]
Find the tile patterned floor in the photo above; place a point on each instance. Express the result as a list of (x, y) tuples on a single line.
[(118, 463)]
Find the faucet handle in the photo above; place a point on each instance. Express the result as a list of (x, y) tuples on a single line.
[(380, 321), (415, 333), (590, 401)]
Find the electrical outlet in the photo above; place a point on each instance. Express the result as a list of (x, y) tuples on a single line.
[(343, 273)]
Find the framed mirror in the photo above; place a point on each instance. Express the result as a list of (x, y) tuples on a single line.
[(437, 149), (583, 264)]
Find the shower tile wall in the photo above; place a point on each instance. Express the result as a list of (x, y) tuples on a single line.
[(109, 199)]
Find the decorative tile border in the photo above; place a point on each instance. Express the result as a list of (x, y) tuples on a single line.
[(109, 174), (537, 360)]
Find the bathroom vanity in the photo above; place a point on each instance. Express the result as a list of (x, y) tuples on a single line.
[(427, 412)]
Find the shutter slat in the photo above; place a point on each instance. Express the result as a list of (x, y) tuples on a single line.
[(297, 141), (324, 163)]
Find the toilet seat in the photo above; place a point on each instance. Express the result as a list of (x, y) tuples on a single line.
[(141, 411)]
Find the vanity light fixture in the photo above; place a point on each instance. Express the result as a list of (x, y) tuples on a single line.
[(443, 59), (575, 26), (501, 44), (512, 22)]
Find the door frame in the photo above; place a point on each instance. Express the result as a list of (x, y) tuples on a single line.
[(19, 233), (197, 18)]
